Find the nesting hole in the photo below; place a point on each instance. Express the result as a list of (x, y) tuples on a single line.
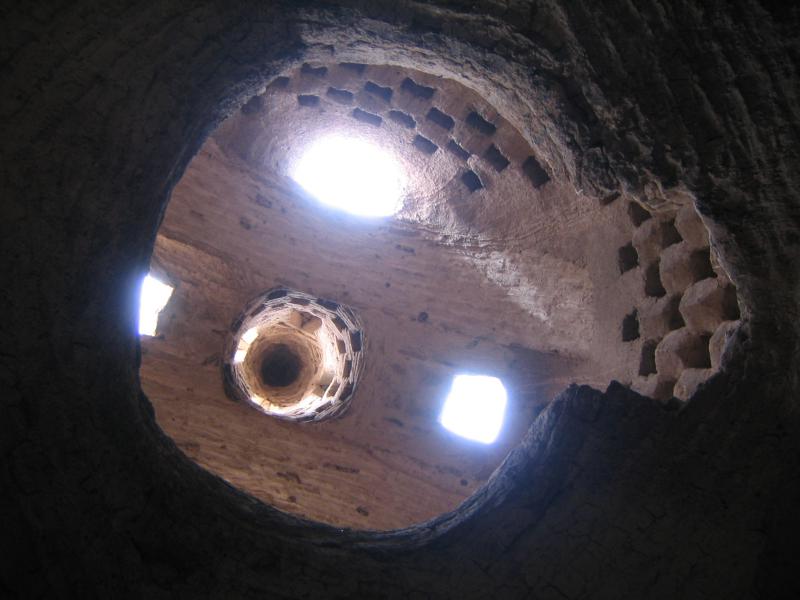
[(340, 96), (647, 362), (697, 355), (307, 69), (366, 117), (534, 171), (472, 181), (441, 119), (670, 234), (700, 264), (253, 106), (308, 100), (424, 145), (237, 322), (480, 124), (329, 304), (340, 324), (496, 158), (730, 305), (455, 148), (355, 340), (418, 91), (402, 118), (357, 68), (609, 198), (637, 213), (627, 258), (673, 313), (384, 93), (630, 327), (652, 281), (280, 82)]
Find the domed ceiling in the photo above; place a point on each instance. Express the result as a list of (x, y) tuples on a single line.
[(492, 265)]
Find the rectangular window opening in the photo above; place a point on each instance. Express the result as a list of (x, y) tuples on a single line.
[(153, 298)]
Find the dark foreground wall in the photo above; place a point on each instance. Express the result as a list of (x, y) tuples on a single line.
[(610, 496)]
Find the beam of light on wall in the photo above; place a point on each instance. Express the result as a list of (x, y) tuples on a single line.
[(154, 297), (475, 407), (250, 335), (351, 174)]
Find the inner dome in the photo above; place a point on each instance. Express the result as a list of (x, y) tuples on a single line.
[(493, 264)]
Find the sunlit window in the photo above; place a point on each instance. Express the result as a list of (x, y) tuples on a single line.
[(154, 297), (475, 407), (351, 174)]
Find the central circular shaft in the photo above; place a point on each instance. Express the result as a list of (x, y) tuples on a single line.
[(280, 366)]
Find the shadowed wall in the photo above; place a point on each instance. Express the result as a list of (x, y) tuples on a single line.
[(608, 495)]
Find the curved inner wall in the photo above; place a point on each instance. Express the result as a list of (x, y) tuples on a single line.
[(492, 266)]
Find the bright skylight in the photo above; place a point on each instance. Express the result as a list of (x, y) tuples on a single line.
[(475, 407), (351, 174), (155, 295)]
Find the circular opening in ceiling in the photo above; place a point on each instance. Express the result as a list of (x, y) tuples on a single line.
[(280, 366), (352, 174)]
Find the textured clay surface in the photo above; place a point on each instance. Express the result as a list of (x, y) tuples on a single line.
[(608, 494)]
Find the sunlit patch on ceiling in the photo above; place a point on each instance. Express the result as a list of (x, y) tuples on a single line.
[(351, 174)]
